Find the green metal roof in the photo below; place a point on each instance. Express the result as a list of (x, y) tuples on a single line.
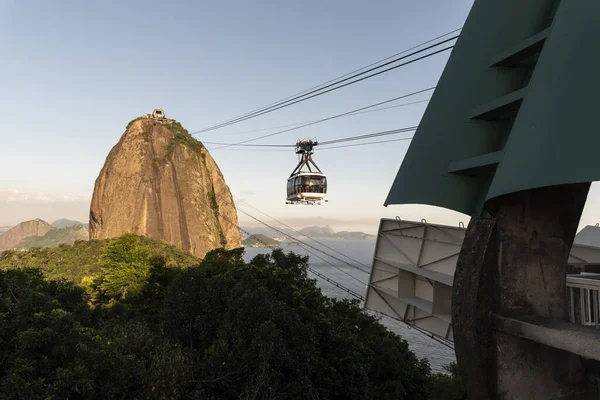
[(493, 127)]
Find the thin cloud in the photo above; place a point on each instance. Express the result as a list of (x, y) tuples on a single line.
[(17, 197)]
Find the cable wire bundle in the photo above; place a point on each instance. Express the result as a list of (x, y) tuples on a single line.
[(344, 80)]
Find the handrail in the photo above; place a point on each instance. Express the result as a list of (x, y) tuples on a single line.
[(584, 299)]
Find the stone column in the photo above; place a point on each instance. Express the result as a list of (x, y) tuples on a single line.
[(514, 263)]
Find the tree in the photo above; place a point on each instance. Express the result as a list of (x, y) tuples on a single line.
[(46, 343), (125, 266), (51, 347), (448, 386), (266, 331), (224, 329)]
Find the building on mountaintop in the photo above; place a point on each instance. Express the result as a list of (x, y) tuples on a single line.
[(158, 115)]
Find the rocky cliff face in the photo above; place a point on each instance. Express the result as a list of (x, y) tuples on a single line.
[(160, 182), (11, 238)]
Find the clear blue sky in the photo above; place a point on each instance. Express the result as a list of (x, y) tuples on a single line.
[(74, 73)]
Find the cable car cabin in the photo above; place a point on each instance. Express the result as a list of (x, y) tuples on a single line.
[(306, 187)]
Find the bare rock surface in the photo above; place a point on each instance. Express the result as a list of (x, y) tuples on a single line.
[(160, 182)]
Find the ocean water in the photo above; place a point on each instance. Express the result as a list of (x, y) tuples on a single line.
[(355, 279)]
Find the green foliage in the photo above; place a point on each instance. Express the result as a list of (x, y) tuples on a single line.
[(51, 347), (182, 136), (55, 237), (448, 386), (223, 329), (125, 266), (146, 365), (234, 256), (45, 340), (146, 136), (212, 200), (259, 240), (267, 332), (131, 122), (82, 258), (69, 262)]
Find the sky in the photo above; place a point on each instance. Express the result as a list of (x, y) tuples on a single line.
[(74, 73)]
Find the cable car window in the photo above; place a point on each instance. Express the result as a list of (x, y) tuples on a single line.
[(317, 184), (317, 180), (306, 184)]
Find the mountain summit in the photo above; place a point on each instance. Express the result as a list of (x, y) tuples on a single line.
[(160, 182), (13, 236)]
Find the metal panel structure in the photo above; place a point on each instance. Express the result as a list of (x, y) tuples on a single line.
[(513, 110), (413, 272)]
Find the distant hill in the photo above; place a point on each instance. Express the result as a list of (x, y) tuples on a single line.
[(353, 235), (316, 231), (259, 240), (4, 229), (269, 232), (12, 237), (65, 223), (55, 237), (324, 232)]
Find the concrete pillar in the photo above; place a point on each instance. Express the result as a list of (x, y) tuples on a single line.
[(514, 262)]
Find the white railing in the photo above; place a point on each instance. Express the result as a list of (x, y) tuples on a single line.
[(584, 299)]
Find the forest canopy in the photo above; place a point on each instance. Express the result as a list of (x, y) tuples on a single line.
[(149, 324)]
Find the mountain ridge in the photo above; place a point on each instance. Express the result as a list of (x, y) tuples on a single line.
[(324, 232), (14, 235)]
